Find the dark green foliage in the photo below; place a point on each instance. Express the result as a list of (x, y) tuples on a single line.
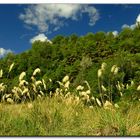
[(79, 57)]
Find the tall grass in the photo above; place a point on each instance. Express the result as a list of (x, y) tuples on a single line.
[(53, 117)]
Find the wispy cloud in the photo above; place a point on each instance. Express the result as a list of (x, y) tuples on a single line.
[(56, 15), (3, 52)]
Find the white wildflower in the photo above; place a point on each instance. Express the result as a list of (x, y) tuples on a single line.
[(99, 73), (65, 79), (22, 76), (33, 79), (50, 79), (80, 87), (11, 66)]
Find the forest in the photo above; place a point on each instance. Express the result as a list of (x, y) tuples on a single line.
[(98, 73)]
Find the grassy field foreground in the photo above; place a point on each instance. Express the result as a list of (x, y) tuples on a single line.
[(54, 117)]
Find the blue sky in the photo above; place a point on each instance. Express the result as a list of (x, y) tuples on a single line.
[(22, 24)]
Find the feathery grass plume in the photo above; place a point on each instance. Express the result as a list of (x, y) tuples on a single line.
[(103, 88), (37, 70), (91, 107), (22, 82), (132, 83), (116, 70), (116, 106), (98, 102), (1, 73), (9, 100), (33, 79), (113, 68), (138, 88), (41, 92), (22, 76), (118, 86), (11, 67), (79, 87), (44, 84), (127, 86), (99, 73), (88, 92), (2, 87), (50, 79), (107, 105), (34, 88), (93, 98), (67, 84), (37, 83), (103, 66), (30, 105), (65, 79), (60, 83), (82, 93), (25, 91)]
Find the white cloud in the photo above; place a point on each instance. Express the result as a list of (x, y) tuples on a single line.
[(133, 26), (3, 52), (45, 15), (40, 37), (115, 33)]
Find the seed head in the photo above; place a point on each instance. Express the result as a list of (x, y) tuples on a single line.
[(1, 73), (11, 66), (37, 70), (65, 79), (99, 73), (138, 88), (67, 84), (37, 83), (22, 76), (103, 66), (9, 100), (107, 104), (43, 82), (116, 70), (98, 102), (116, 105), (103, 88), (113, 68), (25, 91), (80, 87)]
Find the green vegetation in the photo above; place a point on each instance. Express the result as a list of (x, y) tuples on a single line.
[(88, 85)]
